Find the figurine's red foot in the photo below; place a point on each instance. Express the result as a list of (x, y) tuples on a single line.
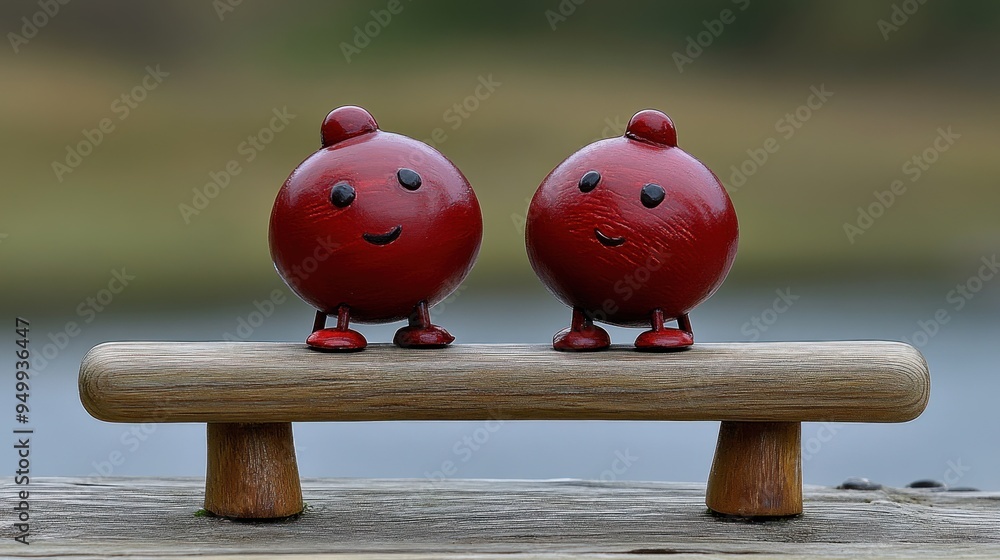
[(585, 340), (337, 340), (582, 335), (420, 333), (664, 339), (431, 336)]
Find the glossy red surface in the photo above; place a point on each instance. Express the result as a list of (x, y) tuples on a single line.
[(656, 232), (354, 226)]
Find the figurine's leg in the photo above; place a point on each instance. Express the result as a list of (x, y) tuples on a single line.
[(319, 323), (338, 339), (420, 333), (661, 338), (582, 335)]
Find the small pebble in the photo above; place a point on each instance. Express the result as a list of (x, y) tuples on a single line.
[(963, 489), (859, 483), (927, 484)]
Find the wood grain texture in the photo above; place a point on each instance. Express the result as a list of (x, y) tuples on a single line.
[(283, 382), (252, 472), (101, 518), (757, 470)]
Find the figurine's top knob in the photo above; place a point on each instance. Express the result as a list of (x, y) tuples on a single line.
[(652, 126), (346, 122)]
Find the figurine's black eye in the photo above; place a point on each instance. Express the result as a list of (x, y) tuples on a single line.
[(409, 178), (342, 195), (652, 195), (589, 181)]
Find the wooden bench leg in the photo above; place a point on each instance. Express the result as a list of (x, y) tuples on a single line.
[(757, 470), (252, 473)]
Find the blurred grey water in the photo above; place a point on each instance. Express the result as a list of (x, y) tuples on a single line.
[(956, 440)]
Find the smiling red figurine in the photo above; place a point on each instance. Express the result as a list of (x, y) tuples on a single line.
[(374, 227), (631, 231)]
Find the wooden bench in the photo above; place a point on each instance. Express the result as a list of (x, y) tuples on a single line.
[(249, 393)]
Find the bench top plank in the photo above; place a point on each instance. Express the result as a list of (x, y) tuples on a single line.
[(155, 517), (861, 381)]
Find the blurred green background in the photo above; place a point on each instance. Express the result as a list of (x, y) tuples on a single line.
[(737, 76), (561, 88)]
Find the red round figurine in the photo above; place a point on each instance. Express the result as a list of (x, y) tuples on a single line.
[(374, 227), (631, 231)]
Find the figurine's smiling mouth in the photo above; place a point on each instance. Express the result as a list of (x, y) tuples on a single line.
[(383, 238), (608, 241)]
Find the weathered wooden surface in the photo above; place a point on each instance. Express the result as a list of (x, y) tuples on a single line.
[(278, 382), (495, 519)]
